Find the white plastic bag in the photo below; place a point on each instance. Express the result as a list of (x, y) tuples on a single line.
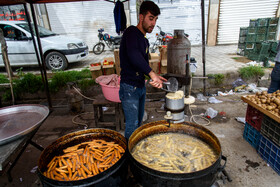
[(211, 113), (214, 100), (201, 97)]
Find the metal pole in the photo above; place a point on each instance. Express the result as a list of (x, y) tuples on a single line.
[(41, 54), (203, 45), (34, 43)]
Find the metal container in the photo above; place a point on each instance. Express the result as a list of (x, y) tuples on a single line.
[(178, 53), (113, 176), (148, 177), (174, 104)]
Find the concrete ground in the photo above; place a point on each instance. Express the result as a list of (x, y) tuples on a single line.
[(244, 165)]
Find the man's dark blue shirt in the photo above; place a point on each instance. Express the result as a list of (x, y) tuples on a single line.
[(134, 57)]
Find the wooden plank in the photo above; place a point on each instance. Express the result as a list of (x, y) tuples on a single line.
[(264, 111)]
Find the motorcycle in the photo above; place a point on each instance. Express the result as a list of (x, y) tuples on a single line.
[(113, 42), (161, 39)]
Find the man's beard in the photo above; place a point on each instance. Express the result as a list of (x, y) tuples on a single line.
[(146, 27)]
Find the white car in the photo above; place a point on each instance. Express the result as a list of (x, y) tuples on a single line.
[(58, 50)]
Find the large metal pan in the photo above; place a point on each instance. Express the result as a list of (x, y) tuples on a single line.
[(19, 120)]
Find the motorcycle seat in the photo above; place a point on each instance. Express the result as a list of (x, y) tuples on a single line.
[(116, 37)]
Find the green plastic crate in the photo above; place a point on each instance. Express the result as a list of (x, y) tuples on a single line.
[(258, 46), (253, 23), (271, 36), (262, 22), (260, 37), (250, 45), (261, 30), (248, 51), (252, 30), (241, 45), (242, 39), (274, 47), (265, 48), (243, 31), (250, 38), (253, 56), (273, 22), (271, 29)]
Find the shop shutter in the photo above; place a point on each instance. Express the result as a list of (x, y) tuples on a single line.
[(237, 13)]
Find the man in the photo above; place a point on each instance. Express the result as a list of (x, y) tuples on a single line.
[(275, 75), (134, 61)]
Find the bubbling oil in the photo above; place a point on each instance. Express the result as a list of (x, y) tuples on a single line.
[(174, 153)]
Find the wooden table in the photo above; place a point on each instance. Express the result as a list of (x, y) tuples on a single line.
[(118, 119), (261, 109)]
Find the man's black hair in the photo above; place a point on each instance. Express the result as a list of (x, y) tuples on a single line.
[(149, 6)]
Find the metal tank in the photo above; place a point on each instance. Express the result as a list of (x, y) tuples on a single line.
[(178, 53)]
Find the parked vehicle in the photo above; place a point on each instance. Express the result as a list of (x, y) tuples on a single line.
[(58, 50), (112, 42), (161, 39)]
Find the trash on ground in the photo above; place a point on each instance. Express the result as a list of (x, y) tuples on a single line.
[(34, 169), (214, 100), (222, 113), (253, 88), (211, 113), (104, 108), (145, 116), (240, 119), (238, 82), (201, 97), (254, 63), (225, 93)]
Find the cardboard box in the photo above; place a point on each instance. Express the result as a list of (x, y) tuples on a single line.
[(154, 56), (155, 65), (95, 69), (117, 61)]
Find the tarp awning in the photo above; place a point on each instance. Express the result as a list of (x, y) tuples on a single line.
[(14, 2)]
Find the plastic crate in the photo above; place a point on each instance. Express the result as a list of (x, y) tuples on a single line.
[(253, 56), (273, 47), (260, 37), (241, 45), (251, 135), (250, 45), (272, 29), (243, 31), (271, 129), (271, 36), (252, 30), (254, 117), (273, 22), (258, 47), (248, 51), (270, 153), (261, 30), (242, 39), (253, 23), (262, 21), (250, 38), (265, 48)]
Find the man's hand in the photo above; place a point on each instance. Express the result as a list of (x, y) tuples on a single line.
[(156, 80)]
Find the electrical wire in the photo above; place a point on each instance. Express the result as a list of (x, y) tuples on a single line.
[(192, 116), (73, 119)]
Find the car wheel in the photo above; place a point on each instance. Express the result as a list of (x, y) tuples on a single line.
[(98, 48), (56, 61)]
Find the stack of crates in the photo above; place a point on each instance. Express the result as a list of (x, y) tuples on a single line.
[(259, 39), (263, 133), (269, 144)]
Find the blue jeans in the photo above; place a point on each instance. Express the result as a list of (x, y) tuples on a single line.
[(275, 78), (133, 104)]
